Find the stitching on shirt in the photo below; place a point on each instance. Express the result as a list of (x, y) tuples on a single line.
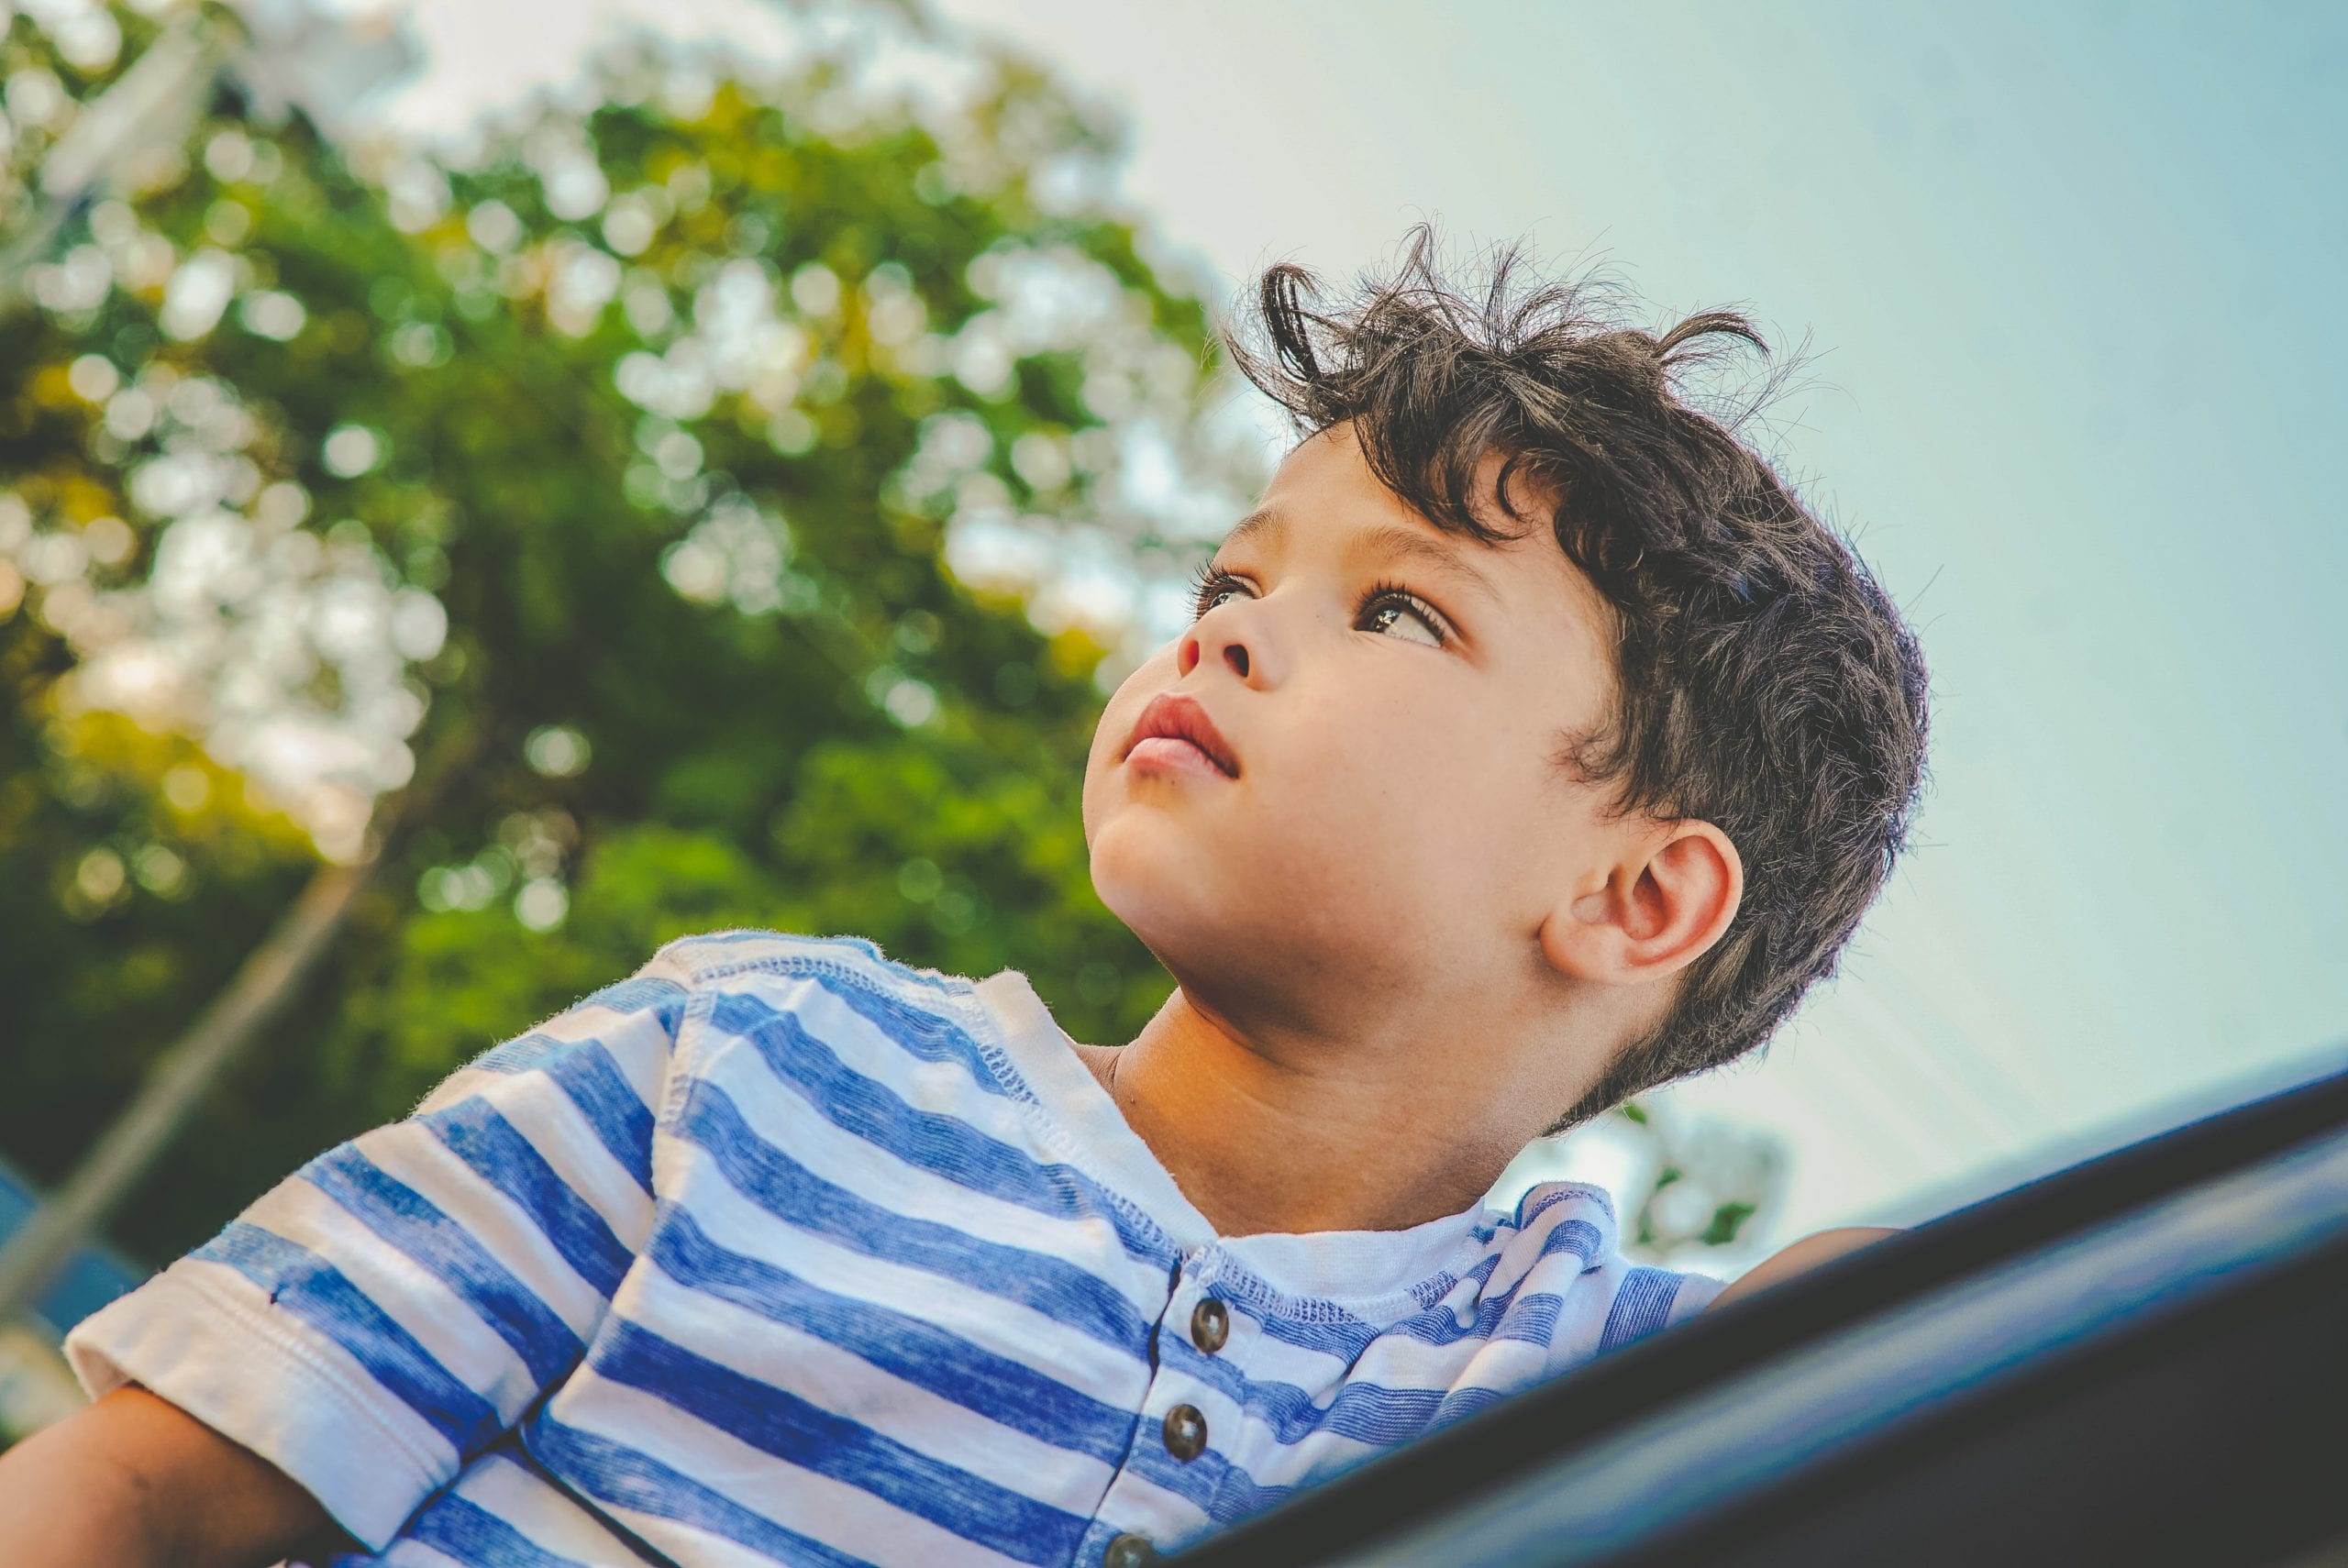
[(712, 969), (802, 964), (967, 1011), (428, 1466), (979, 1025), (686, 1064), (997, 1056), (1238, 1282), (1243, 1284), (1552, 1193)]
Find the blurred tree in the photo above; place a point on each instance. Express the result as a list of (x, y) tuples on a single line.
[(736, 483)]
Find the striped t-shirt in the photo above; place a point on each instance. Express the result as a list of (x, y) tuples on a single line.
[(780, 1252)]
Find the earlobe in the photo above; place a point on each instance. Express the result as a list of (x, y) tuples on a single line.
[(1653, 916)]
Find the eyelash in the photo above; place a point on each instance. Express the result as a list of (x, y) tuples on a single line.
[(1210, 579)]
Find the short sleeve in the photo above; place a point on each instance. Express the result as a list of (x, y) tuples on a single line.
[(1649, 1299), (389, 1310)]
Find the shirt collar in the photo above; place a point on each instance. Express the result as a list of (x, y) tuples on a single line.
[(1364, 1269)]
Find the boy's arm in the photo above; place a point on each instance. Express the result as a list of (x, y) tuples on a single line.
[(1806, 1254), (133, 1480), (378, 1320)]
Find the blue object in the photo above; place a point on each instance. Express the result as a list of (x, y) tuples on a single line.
[(94, 1276)]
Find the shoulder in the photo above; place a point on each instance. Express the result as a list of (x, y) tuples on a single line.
[(1806, 1254), (711, 957), (1559, 1239), (886, 1019), (1560, 1268)]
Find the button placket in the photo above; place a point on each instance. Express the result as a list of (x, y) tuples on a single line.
[(1180, 1431), (1185, 1428)]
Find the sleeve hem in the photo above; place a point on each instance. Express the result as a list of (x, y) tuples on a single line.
[(261, 1386)]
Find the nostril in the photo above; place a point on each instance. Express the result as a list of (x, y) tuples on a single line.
[(1236, 657)]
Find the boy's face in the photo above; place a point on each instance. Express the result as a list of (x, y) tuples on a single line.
[(1397, 825)]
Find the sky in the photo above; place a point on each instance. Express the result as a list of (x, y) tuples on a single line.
[(2067, 280)]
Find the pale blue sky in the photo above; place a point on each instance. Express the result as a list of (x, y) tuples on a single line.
[(2072, 275)]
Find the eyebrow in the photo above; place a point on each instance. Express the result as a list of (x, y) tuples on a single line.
[(1392, 540)]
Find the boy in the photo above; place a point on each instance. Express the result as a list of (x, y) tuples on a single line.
[(1531, 747)]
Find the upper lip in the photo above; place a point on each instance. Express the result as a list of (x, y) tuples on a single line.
[(1180, 716)]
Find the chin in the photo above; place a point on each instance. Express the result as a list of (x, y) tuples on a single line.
[(1156, 888), (1187, 909), (1280, 929)]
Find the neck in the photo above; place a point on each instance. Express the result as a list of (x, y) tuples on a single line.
[(1292, 1135)]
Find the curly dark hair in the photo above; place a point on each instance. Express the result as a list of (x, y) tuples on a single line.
[(1765, 681)]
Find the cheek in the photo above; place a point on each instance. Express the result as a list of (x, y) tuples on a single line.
[(1424, 787), (1400, 772)]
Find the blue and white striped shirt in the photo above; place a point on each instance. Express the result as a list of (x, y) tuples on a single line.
[(780, 1252)]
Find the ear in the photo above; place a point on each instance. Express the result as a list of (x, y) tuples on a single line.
[(1652, 913)]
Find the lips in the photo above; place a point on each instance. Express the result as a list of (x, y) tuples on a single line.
[(1178, 717)]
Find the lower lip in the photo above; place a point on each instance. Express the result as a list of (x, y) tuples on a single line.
[(1167, 753)]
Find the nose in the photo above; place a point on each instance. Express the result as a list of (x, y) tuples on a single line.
[(1215, 635)]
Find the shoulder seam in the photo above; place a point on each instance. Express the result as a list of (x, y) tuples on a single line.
[(702, 956)]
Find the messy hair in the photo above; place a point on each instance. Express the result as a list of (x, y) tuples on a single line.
[(1764, 681)]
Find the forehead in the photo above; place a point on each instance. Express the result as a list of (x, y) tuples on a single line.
[(1325, 492), (1329, 467)]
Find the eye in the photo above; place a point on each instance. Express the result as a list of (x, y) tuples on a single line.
[(1389, 607), (1210, 586)]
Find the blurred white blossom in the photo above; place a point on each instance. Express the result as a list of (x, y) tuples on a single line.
[(289, 653), (199, 290)]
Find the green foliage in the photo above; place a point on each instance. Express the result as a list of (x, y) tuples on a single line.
[(1727, 1221), (671, 415), (1685, 1187)]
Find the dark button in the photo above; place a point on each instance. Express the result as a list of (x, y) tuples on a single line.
[(1186, 1432), (1210, 1324), (1129, 1551)]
